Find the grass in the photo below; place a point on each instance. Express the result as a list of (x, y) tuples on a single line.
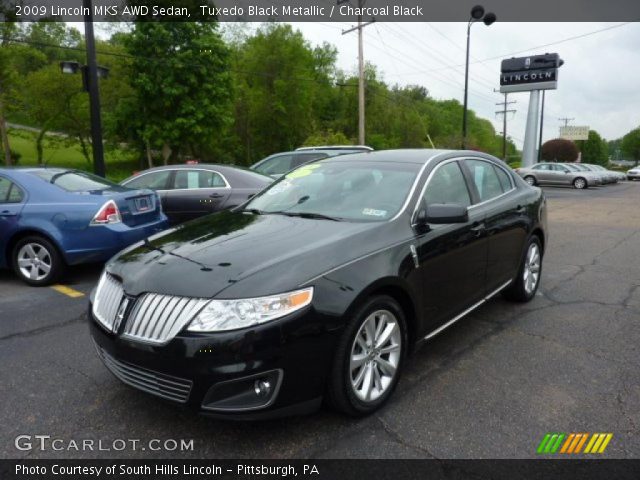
[(66, 152)]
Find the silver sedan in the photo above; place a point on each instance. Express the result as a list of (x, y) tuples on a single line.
[(558, 174)]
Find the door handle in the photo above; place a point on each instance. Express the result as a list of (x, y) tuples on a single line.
[(215, 195), (6, 213)]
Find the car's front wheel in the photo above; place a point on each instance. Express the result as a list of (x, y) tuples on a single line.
[(530, 180), (37, 261), (369, 358)]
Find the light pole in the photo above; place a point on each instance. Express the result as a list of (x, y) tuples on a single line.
[(477, 14), (90, 74)]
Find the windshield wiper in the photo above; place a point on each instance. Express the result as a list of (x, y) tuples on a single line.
[(318, 216)]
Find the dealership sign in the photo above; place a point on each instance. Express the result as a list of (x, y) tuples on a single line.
[(523, 74), (572, 132)]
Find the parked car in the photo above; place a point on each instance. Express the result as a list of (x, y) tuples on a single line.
[(633, 174), (557, 174), (603, 177), (191, 191), (609, 175), (320, 285), (278, 164), (54, 217)]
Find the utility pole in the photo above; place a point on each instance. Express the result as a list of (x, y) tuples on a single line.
[(566, 120), (504, 112), (94, 92), (361, 25)]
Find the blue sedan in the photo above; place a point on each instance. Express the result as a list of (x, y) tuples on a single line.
[(53, 217)]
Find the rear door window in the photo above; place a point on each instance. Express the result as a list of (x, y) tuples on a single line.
[(485, 179), (504, 178), (190, 179)]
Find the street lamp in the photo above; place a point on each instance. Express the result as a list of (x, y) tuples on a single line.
[(74, 67), (477, 14)]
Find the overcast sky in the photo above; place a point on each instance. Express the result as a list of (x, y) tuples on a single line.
[(599, 84)]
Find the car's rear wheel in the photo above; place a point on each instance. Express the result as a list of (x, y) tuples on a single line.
[(580, 183), (525, 285), (369, 358), (37, 261), (530, 180)]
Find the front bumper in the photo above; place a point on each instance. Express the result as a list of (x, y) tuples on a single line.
[(298, 347), (633, 176)]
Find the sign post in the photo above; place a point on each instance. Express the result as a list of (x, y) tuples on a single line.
[(530, 74)]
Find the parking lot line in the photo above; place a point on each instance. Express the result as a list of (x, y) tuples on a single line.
[(68, 291)]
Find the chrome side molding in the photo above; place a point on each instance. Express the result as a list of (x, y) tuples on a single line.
[(467, 311)]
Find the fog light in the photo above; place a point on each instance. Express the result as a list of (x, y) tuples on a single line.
[(262, 387), (252, 392)]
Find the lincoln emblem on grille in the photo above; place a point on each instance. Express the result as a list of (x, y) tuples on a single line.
[(120, 315)]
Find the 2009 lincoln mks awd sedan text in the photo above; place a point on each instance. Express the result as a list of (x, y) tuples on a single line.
[(321, 285)]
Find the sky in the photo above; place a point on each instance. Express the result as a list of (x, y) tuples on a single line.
[(598, 85)]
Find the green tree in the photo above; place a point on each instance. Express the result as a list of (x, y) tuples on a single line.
[(631, 145), (594, 149), (180, 78)]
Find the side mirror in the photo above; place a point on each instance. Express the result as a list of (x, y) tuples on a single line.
[(439, 213)]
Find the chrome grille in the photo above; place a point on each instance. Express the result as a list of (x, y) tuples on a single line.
[(107, 301), (160, 384), (158, 318)]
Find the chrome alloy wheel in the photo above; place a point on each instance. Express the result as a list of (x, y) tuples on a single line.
[(579, 183), (34, 261), (530, 180), (375, 355), (531, 273)]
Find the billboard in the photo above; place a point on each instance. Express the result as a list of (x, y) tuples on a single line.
[(572, 132), (523, 74)]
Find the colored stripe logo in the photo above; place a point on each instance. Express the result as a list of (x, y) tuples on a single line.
[(574, 443)]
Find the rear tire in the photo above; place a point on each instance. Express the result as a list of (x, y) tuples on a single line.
[(369, 358), (37, 261), (580, 183), (525, 285), (530, 180)]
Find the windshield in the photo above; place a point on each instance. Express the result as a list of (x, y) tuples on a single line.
[(74, 181), (573, 168), (581, 168), (340, 189)]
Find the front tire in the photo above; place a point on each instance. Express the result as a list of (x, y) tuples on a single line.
[(369, 358), (525, 285), (580, 183), (530, 180), (37, 261)]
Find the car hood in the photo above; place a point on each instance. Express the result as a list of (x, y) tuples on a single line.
[(246, 254)]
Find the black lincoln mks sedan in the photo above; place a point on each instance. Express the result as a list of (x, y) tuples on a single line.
[(321, 286)]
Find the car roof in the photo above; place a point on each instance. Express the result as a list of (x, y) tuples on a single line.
[(417, 155), (359, 148)]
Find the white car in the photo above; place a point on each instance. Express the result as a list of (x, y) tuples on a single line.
[(633, 174)]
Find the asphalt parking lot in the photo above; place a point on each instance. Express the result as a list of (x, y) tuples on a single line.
[(490, 386)]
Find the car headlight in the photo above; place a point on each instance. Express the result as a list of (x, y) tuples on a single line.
[(221, 315)]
